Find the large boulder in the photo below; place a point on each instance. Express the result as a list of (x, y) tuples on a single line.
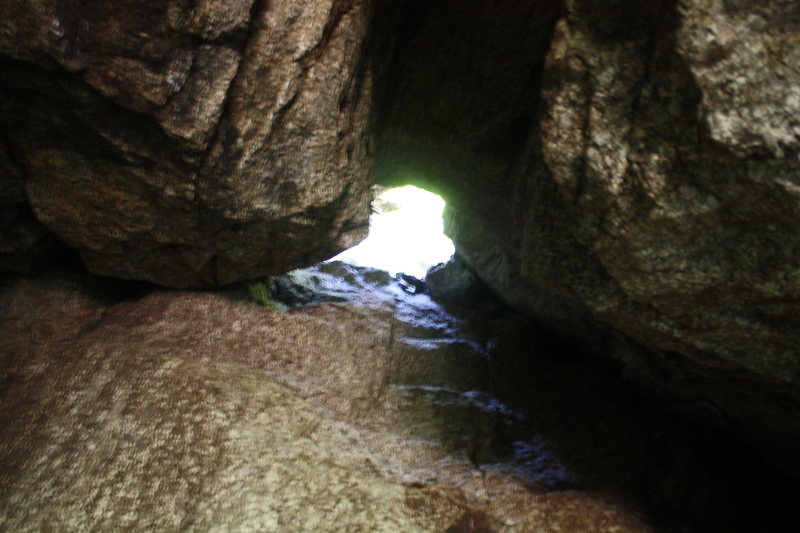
[(671, 194), (673, 176), (454, 282), (632, 165), (187, 144), (462, 104)]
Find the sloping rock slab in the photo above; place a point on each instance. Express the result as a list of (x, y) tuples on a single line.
[(196, 411), (183, 411)]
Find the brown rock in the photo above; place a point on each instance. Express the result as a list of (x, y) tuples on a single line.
[(196, 411), (625, 172), (690, 235), (190, 145), (645, 178)]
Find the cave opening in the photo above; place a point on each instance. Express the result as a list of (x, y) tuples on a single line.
[(406, 233)]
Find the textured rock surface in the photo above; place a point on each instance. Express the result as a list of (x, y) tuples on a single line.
[(463, 100), (197, 412), (186, 143), (651, 184), (192, 411), (670, 149), (626, 172), (694, 240), (454, 282)]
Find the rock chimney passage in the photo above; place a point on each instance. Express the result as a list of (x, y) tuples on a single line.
[(405, 233)]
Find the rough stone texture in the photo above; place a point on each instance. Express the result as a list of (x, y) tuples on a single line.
[(645, 178), (626, 172), (744, 57), (121, 409), (667, 145), (459, 135), (454, 282), (196, 412), (187, 143), (690, 236), (25, 244)]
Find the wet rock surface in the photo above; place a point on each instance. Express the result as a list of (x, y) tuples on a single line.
[(384, 412)]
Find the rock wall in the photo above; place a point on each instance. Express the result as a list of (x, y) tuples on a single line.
[(642, 173), (672, 149), (463, 99), (124, 409), (185, 143)]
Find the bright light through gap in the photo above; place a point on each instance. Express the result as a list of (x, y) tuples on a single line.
[(405, 234)]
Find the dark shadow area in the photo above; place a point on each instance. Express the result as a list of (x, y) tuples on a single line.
[(687, 476), (108, 291)]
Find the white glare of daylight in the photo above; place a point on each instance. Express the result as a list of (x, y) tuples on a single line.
[(405, 234)]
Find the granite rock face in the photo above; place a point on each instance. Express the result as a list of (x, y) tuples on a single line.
[(186, 143), (675, 162), (191, 411), (453, 282), (672, 150), (123, 408), (625, 172), (644, 176), (461, 135)]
